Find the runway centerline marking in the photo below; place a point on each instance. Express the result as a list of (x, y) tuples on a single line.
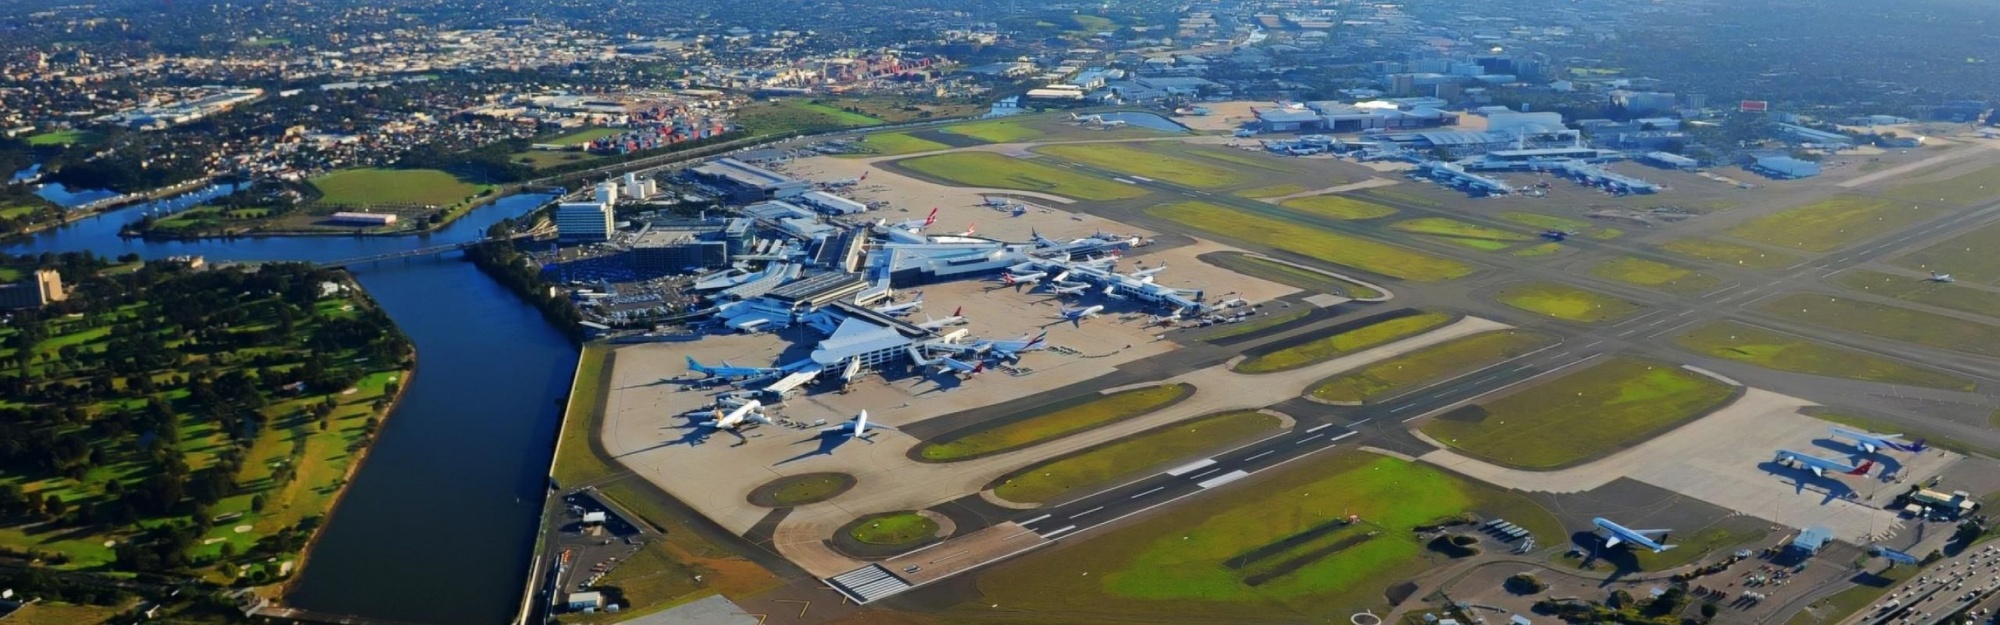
[(1190, 467), (1319, 427), (1150, 491), (1079, 515), (1053, 534), (1309, 439), (1260, 455), (1198, 475), (1035, 519)]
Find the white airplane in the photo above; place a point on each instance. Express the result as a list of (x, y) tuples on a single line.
[(948, 364), (898, 310), (1873, 443), (750, 411), (851, 372), (1819, 466), (1231, 303), (969, 230), (1149, 271), (957, 318), (731, 372), (1941, 277), (1621, 534), (1061, 277), (1012, 279), (1011, 350), (1080, 314), (1042, 241), (1076, 288), (858, 427), (918, 224)]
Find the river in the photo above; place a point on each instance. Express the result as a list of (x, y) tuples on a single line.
[(439, 524)]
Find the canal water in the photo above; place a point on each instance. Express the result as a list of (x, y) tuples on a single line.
[(438, 525)]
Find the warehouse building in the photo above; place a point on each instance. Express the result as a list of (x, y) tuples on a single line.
[(749, 183)]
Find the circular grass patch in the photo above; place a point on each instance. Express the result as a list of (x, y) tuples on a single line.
[(798, 490), (893, 529)]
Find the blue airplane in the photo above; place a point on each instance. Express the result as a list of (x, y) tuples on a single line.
[(1621, 534), (732, 372), (1893, 556), (1819, 466), (1872, 443)]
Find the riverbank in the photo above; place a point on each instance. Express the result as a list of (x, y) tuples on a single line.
[(183, 226)]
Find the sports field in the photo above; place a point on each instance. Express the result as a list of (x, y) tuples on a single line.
[(1968, 257), (894, 143), (986, 169), (1286, 274), (1430, 364), (1962, 190), (1742, 343), (1338, 207), (1273, 547), (1340, 249), (1346, 342), (64, 137), (1063, 420), (1470, 235), (1132, 456), (996, 131), (1137, 161), (895, 528), (1729, 253), (1654, 274), (1565, 302), (1889, 322), (1580, 415), (394, 186), (1835, 222), (1922, 291)]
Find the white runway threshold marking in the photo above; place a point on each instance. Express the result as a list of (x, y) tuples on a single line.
[(1035, 519), (1053, 533), (1190, 467), (1223, 479)]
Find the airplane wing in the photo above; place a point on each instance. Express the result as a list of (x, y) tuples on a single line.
[(1651, 532), (1613, 541), (1818, 472)]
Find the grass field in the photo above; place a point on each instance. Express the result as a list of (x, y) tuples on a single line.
[(1275, 547), (584, 136), (1467, 234), (1552, 222), (1580, 415), (996, 131), (845, 118), (1133, 455), (54, 613), (1728, 253), (1538, 250), (894, 143), (986, 169), (1271, 191), (1835, 222), (896, 528), (395, 186), (1063, 421), (1437, 362), (1340, 249), (1742, 343), (1654, 274), (810, 488), (1138, 161), (1963, 190), (1837, 607), (1258, 323), (1565, 302), (1338, 207), (1889, 322), (64, 137), (1922, 291), (1286, 274), (797, 115), (1968, 257), (1321, 350)]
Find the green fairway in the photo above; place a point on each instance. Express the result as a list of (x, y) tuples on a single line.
[(1835, 222), (1581, 415), (1286, 274), (1258, 323), (1962, 190), (1654, 274), (986, 169), (1064, 420), (1131, 456), (1968, 257), (1138, 161), (1429, 364), (1281, 547), (1728, 253), (64, 137), (1922, 291), (1565, 302), (1346, 342), (996, 131), (394, 186), (1771, 350), (895, 528), (1340, 249), (584, 136), (1889, 322), (1338, 207), (894, 143), (1275, 190), (1467, 234)]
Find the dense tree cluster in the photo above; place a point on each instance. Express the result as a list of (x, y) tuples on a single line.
[(522, 276)]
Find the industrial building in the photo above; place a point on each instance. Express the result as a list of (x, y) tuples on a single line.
[(831, 204), (1785, 167), (744, 182), (362, 219), (583, 221), (1813, 136)]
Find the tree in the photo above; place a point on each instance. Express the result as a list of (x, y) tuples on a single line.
[(1524, 584)]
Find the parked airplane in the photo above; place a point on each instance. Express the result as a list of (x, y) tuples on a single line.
[(969, 230), (1012, 279), (750, 411), (898, 310), (1621, 534), (1941, 277), (957, 318), (1893, 556), (1077, 315), (1069, 289), (1819, 466), (731, 372), (918, 224), (1142, 273), (858, 427), (1872, 443), (1558, 235), (948, 364)]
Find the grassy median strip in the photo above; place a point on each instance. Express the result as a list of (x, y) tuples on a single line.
[(1467, 234), (1581, 415), (1922, 291), (1835, 222), (895, 528), (894, 143), (1964, 189), (1137, 161), (1728, 253), (1064, 420), (986, 169), (1131, 456), (1281, 273), (1338, 207), (1436, 362), (1968, 256), (1889, 322), (1742, 343), (996, 131), (1340, 249), (1329, 347), (1565, 302), (1654, 275)]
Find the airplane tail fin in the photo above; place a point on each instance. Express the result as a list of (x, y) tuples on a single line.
[(1007, 278), (932, 218), (695, 365), (979, 367), (1916, 446), (1863, 469), (958, 312)]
